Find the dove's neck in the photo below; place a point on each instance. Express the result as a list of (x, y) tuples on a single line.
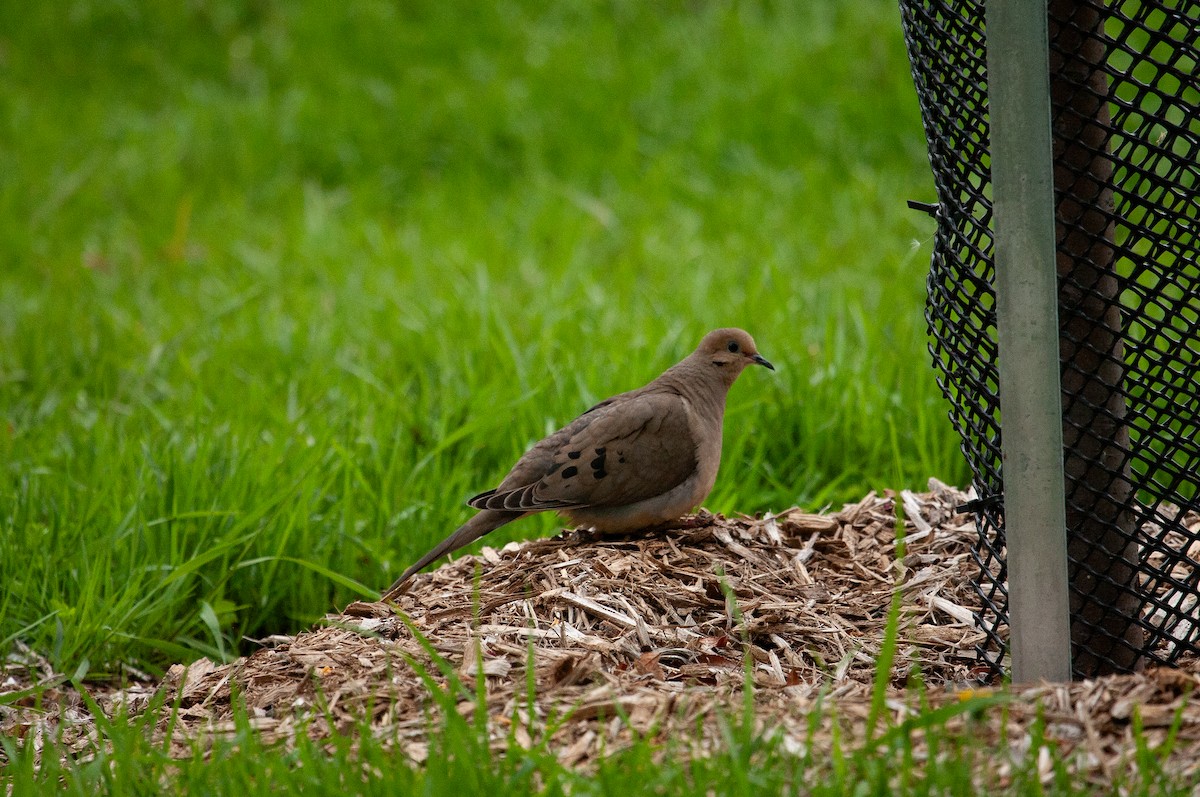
[(695, 381)]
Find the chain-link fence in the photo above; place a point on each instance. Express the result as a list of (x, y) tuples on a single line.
[(1126, 131)]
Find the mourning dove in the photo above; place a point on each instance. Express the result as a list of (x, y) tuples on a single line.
[(635, 460)]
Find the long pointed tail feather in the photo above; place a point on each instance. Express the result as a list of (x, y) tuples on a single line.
[(483, 523)]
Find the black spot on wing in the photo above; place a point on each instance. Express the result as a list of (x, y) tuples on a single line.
[(574, 454), (598, 465), (570, 472)]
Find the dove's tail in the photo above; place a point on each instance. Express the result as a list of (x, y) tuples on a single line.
[(483, 523)]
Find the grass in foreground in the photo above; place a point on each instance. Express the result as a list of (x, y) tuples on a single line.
[(460, 762)]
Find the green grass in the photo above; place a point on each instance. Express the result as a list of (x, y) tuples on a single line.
[(283, 285)]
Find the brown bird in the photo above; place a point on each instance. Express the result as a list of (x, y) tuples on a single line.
[(635, 460)]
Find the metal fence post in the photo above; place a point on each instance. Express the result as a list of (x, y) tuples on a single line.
[(1028, 332)]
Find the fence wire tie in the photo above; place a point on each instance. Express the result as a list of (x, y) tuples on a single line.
[(931, 208), (978, 505)]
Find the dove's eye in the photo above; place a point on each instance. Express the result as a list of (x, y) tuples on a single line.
[(733, 347)]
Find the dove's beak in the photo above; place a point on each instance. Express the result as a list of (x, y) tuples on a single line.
[(759, 359)]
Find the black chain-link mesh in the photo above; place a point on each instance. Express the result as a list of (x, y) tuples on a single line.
[(1126, 123)]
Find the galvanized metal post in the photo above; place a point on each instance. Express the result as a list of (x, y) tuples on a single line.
[(1027, 320)]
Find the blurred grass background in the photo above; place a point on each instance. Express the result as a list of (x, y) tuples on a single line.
[(283, 283)]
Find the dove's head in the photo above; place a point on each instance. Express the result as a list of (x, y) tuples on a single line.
[(728, 351)]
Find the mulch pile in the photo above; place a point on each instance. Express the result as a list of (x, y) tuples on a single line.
[(649, 635)]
